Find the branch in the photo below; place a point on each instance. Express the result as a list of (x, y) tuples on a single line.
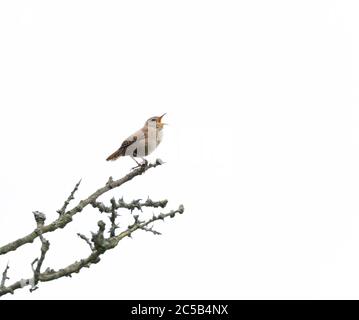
[(87, 240), (44, 248), (4, 277), (67, 217), (68, 200), (101, 245), (134, 204), (156, 233), (45, 245), (113, 217)]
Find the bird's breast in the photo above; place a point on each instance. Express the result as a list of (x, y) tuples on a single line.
[(159, 136), (145, 143)]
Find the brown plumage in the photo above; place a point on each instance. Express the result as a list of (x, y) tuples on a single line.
[(115, 155), (122, 150), (142, 142)]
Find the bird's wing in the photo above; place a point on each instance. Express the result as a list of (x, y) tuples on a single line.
[(129, 141), (138, 136)]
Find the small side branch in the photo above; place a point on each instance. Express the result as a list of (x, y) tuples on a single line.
[(113, 217), (87, 240), (134, 204), (67, 217), (4, 277), (45, 245), (150, 229), (100, 241), (101, 245), (69, 199)]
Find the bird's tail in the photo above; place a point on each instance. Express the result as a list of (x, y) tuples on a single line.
[(115, 155)]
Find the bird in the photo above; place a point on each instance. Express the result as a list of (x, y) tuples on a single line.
[(142, 142)]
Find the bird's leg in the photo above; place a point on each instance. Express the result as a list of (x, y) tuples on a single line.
[(138, 164), (143, 164)]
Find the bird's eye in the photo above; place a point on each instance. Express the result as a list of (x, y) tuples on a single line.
[(153, 119)]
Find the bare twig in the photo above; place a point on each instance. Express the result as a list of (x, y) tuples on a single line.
[(150, 229), (99, 242), (4, 276), (39, 261), (134, 204), (67, 217), (45, 245), (87, 240), (68, 200), (102, 245), (113, 217)]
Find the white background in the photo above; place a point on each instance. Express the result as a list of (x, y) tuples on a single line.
[(262, 148)]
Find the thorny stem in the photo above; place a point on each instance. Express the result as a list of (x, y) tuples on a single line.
[(99, 243)]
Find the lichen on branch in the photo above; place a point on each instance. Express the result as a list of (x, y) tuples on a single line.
[(100, 241)]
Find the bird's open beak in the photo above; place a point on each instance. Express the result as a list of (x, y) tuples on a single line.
[(162, 117)]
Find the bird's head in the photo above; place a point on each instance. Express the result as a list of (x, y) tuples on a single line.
[(155, 122)]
